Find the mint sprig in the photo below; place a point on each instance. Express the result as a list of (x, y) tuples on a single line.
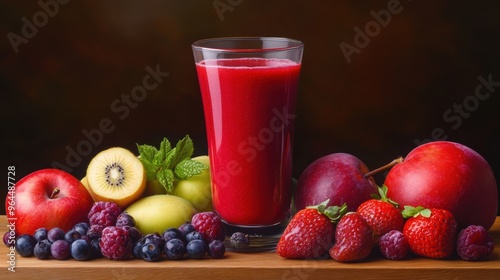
[(167, 164)]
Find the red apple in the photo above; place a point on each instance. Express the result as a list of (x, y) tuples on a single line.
[(446, 175), (48, 198), (338, 177)]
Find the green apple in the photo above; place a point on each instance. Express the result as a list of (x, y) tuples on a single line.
[(156, 213), (153, 187), (197, 189)]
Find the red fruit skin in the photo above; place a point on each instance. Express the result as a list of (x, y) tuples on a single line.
[(381, 216), (354, 239), (34, 208), (432, 237), (308, 235), (338, 177), (449, 176)]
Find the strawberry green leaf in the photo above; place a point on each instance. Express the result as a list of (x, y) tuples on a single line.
[(334, 213), (382, 192), (426, 213), (410, 211)]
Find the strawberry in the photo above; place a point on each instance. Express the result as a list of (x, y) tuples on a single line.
[(381, 213), (430, 232), (310, 232), (354, 239)]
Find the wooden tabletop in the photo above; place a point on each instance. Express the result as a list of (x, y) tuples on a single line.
[(264, 265)]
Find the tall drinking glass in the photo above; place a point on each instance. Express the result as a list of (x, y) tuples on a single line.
[(249, 87)]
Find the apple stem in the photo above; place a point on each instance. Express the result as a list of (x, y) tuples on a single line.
[(382, 168), (54, 193)]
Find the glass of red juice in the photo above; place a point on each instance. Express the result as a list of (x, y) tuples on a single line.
[(249, 87)]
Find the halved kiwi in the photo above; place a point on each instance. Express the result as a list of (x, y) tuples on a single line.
[(116, 175)]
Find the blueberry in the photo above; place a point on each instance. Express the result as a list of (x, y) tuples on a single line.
[(137, 250), (194, 235), (8, 238), (150, 252), (124, 219), (42, 249), (134, 233), (95, 231), (60, 249), (40, 234), (55, 234), (186, 228), (239, 240), (72, 235), (82, 228), (96, 248), (196, 249), (154, 238), (81, 250), (216, 249), (172, 233), (25, 244), (175, 249)]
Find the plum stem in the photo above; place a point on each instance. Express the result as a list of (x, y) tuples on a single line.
[(54, 193), (382, 168)]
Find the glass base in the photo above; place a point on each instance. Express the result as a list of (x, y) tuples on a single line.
[(261, 238)]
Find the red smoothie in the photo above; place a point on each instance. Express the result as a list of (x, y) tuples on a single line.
[(249, 106)]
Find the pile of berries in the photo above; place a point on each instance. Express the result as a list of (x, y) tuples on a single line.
[(378, 223), (203, 235), (112, 233)]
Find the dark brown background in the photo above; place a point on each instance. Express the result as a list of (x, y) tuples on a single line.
[(390, 96)]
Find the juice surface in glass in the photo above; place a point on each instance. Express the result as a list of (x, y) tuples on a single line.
[(249, 106)]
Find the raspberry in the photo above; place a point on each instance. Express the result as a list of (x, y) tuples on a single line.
[(393, 245), (474, 243), (209, 225), (104, 213), (115, 243)]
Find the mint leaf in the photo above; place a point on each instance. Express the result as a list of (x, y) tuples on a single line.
[(150, 169), (165, 148), (147, 152), (168, 164), (146, 155), (188, 168), (183, 150), (166, 179)]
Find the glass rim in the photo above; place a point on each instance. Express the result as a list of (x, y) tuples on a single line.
[(199, 44)]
